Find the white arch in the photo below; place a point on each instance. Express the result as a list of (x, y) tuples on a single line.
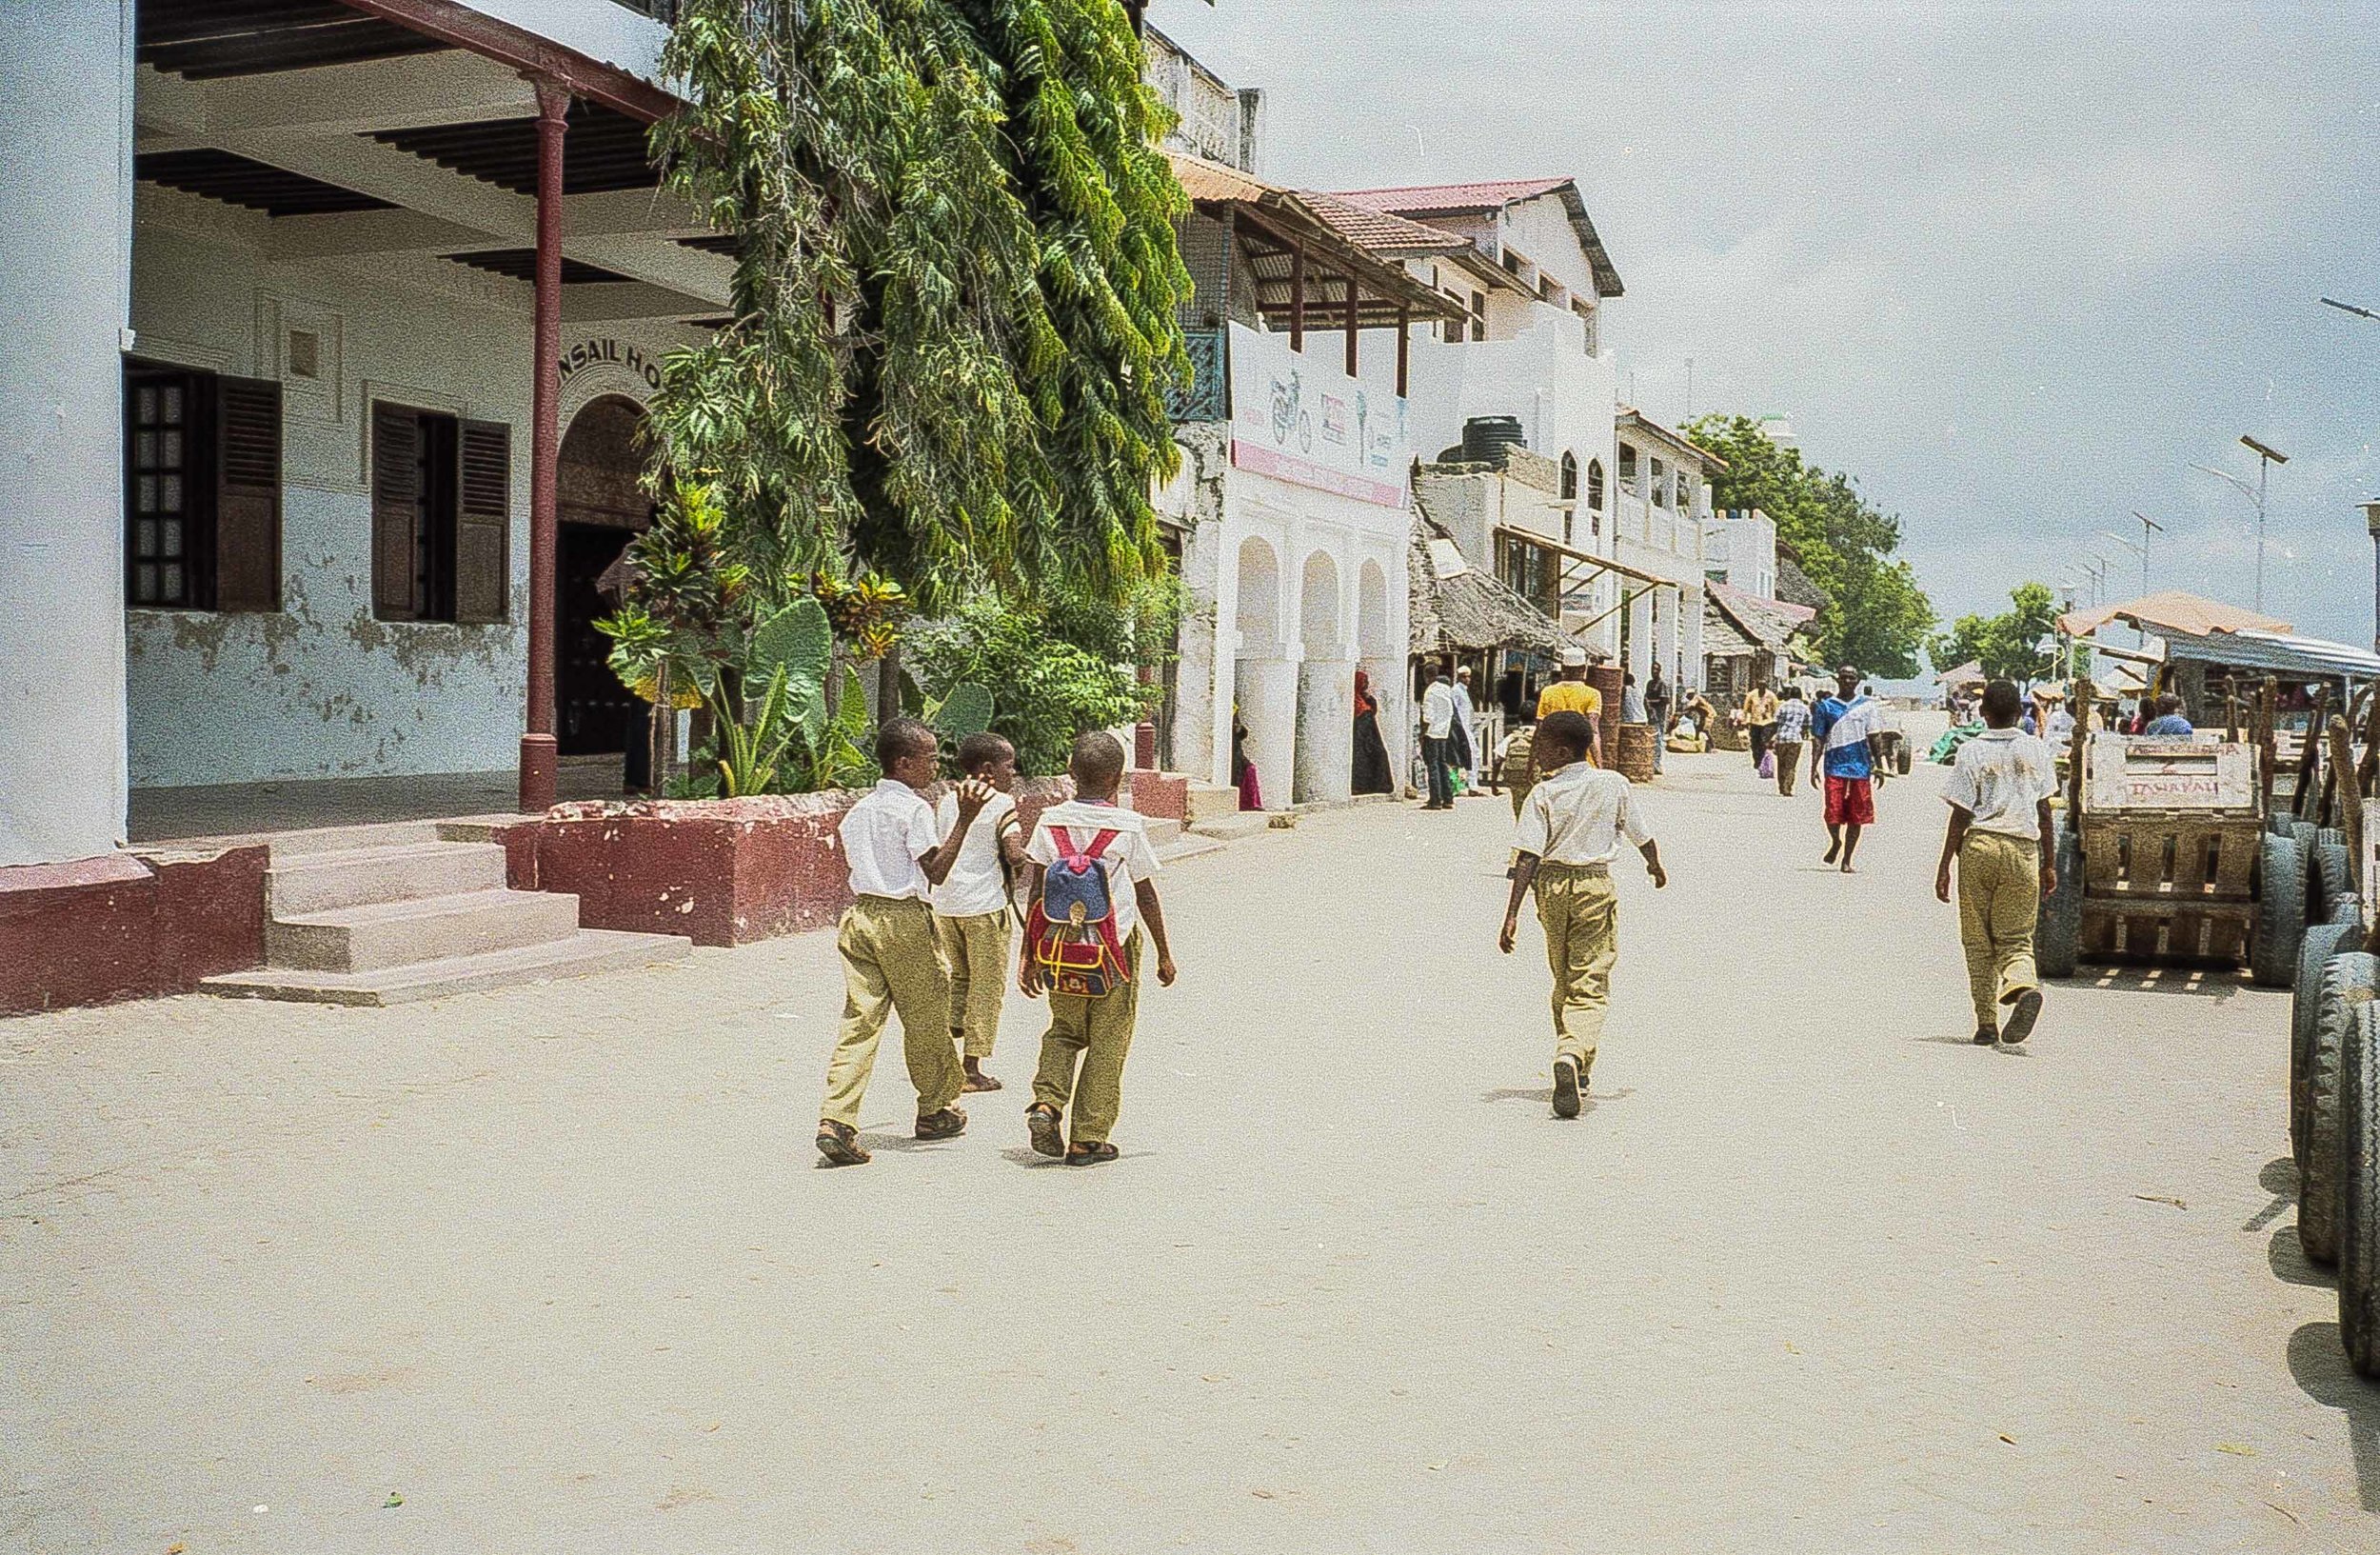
[(1318, 606), (1372, 639), (1259, 617)]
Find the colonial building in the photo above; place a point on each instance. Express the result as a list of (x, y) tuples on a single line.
[(323, 409)]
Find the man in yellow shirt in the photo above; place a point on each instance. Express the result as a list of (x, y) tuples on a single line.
[(1759, 713), (1572, 693)]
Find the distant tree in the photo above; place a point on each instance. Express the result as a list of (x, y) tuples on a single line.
[(1877, 617), (2009, 645)]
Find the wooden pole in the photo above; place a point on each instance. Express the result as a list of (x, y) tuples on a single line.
[(1355, 322), (1404, 350), (540, 753), (1298, 298), (2309, 759)]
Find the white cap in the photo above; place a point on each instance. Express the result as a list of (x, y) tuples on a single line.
[(1573, 658)]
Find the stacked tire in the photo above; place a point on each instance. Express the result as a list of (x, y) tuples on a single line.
[(2359, 1194), (2347, 985), (2281, 897)]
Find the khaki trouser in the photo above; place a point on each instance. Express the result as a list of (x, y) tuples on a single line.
[(890, 966), (1097, 1032), (2000, 896), (975, 953), (1580, 912), (1788, 764)]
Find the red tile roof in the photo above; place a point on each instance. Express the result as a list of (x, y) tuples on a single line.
[(1381, 230), (1445, 197)]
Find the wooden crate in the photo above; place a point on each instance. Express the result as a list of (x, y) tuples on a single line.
[(2169, 886)]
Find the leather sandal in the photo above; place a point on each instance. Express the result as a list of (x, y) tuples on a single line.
[(839, 1144), (1089, 1152), (1041, 1122), (947, 1124)]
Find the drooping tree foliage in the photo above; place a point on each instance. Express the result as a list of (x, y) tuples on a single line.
[(952, 321), (1875, 616)]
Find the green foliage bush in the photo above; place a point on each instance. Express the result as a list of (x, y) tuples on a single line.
[(1048, 690)]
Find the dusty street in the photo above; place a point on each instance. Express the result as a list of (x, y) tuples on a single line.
[(553, 1268)]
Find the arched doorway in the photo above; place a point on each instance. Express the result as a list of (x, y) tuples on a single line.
[(600, 506)]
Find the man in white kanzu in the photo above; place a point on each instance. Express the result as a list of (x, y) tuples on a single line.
[(1438, 739), (2000, 835)]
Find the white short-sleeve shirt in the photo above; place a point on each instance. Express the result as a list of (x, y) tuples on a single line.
[(977, 884), (2001, 777), (1579, 814), (1128, 858), (884, 836)]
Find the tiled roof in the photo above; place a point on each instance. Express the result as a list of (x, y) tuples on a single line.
[(1769, 623), (1493, 195), (1381, 231)]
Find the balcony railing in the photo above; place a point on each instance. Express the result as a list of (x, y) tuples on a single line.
[(1208, 397)]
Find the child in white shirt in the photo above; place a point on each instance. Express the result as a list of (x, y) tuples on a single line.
[(972, 921)]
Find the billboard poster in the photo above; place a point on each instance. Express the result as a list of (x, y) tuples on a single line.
[(1299, 419)]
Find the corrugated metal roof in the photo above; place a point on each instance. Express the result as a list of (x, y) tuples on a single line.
[(2281, 654)]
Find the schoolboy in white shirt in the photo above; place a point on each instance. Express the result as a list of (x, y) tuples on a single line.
[(2001, 836), (890, 962), (972, 922), (1570, 831)]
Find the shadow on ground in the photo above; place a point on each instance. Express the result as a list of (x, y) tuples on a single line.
[(2319, 1366)]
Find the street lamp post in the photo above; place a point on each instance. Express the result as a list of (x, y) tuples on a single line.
[(2371, 522), (2267, 456)]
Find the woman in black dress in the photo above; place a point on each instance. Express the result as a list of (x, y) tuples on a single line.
[(1373, 775)]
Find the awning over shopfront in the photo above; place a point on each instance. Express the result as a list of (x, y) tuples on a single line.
[(2169, 613), (2282, 654), (1457, 608)]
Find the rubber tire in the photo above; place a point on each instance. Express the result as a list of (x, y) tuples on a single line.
[(2359, 1194), (2322, 942), (2346, 909), (2280, 914), (2278, 823), (2326, 836), (2331, 876), (1902, 758), (2347, 985), (2058, 930), (2303, 831)]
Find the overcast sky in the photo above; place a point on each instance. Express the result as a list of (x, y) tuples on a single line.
[(2014, 266)]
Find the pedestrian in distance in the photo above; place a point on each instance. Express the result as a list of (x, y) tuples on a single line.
[(1999, 834), (891, 964), (1793, 731), (1656, 703), (2169, 720), (1760, 715), (1093, 880), (1571, 693), (1437, 740), (972, 920), (1845, 752), (1570, 831), (1465, 734)]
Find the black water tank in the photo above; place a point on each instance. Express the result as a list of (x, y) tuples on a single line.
[(1486, 438)]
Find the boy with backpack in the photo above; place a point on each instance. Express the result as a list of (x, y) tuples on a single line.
[(1093, 886), (890, 962), (1571, 829), (971, 920)]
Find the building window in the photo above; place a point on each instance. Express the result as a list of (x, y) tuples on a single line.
[(202, 490), (442, 508), (1685, 492), (1459, 327), (1661, 485), (1594, 485), (1479, 315), (1628, 470)]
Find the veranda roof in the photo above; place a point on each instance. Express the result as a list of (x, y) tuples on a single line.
[(1468, 608), (2281, 654)]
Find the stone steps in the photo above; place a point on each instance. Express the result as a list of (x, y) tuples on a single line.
[(1235, 824), (585, 951), (388, 914), (1212, 801)]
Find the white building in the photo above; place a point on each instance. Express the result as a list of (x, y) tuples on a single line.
[(1292, 508), (1739, 545), (272, 509)]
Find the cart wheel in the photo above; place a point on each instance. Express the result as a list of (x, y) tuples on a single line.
[(2324, 836), (2322, 942), (2347, 909), (2279, 823), (2305, 831), (2347, 985), (1901, 759), (2359, 1193), (2057, 934), (2280, 914)]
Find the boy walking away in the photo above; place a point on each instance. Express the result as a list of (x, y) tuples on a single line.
[(1792, 727), (971, 921), (1091, 861), (1999, 832), (1844, 739), (1570, 831), (890, 962)]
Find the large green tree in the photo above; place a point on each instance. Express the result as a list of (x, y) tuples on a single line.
[(953, 320), (2008, 645), (1875, 616)]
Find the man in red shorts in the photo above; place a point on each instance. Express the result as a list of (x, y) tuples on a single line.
[(1845, 737)]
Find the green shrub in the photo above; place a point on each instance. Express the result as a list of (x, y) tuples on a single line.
[(1046, 689)]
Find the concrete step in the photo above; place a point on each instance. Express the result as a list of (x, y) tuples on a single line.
[(349, 839), (1211, 801), (1188, 846), (585, 951), (346, 877), (1162, 832), (1237, 824), (381, 934)]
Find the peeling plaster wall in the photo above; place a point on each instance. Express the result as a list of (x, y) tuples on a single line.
[(322, 688)]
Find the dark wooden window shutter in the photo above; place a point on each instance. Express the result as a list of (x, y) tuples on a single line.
[(247, 495), (396, 509), (483, 524)]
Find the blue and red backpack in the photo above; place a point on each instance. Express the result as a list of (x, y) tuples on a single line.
[(1071, 930)]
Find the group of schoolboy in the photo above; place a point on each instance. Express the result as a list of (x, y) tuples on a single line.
[(930, 932)]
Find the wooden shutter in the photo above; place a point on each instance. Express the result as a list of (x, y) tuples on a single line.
[(396, 510), (482, 523), (247, 495)]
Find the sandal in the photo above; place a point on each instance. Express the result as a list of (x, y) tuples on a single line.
[(947, 1124), (1041, 1120), (1092, 1153), (839, 1144), (981, 1082)]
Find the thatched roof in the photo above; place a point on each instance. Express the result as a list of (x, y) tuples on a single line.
[(1469, 609)]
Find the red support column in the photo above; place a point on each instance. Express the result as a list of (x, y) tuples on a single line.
[(1355, 321), (540, 756), (1298, 299), (1404, 350)]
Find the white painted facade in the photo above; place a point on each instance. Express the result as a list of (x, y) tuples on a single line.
[(1740, 546)]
